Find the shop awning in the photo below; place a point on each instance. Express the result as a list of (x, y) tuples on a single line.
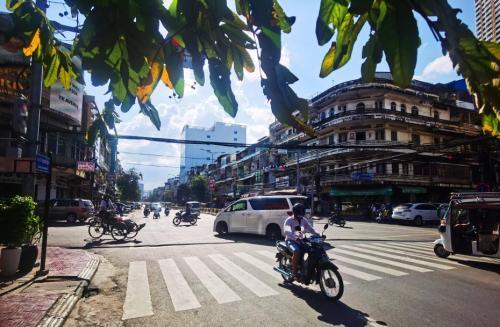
[(246, 177), (361, 192)]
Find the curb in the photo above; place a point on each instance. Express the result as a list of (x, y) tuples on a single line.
[(59, 312)]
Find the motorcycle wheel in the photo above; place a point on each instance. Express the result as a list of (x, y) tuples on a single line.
[(331, 283), (342, 223), (133, 231), (193, 221), (119, 231), (330, 221), (176, 221), (285, 264), (96, 229)]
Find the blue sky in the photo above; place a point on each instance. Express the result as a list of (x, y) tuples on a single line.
[(301, 54)]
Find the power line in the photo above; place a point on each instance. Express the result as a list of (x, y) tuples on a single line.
[(148, 164), (163, 155)]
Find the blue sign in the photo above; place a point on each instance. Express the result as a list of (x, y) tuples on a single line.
[(359, 176), (42, 164)]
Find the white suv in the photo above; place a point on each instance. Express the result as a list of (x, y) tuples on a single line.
[(262, 215), (417, 213)]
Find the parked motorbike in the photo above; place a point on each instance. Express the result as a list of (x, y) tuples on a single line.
[(167, 211), (336, 219), (156, 214), (146, 212), (383, 216), (317, 267), (186, 218)]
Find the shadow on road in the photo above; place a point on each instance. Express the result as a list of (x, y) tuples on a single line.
[(488, 266), (336, 313)]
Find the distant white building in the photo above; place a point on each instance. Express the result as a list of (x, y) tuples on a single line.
[(141, 189), (198, 154)]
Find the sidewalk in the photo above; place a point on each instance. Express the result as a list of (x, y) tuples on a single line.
[(47, 301)]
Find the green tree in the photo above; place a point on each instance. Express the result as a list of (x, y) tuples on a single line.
[(133, 55), (199, 188), (128, 185), (183, 193)]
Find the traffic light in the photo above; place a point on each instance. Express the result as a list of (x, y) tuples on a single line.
[(20, 117)]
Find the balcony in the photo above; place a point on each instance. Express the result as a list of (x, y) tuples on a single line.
[(387, 114)]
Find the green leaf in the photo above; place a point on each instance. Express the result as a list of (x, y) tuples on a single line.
[(149, 110), (360, 7), (221, 83), (273, 36), (51, 74), (119, 89), (174, 63), (400, 47), (128, 103), (284, 22), (373, 54), (13, 4), (331, 12)]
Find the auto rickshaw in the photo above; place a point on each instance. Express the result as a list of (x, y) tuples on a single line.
[(470, 226)]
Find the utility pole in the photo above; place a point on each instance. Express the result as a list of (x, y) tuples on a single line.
[(34, 112), (298, 171)]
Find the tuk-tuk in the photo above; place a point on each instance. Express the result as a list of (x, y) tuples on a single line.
[(194, 207), (470, 226)]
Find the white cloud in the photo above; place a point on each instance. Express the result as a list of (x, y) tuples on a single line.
[(436, 69)]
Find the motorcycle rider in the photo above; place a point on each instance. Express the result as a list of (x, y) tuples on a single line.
[(294, 241)]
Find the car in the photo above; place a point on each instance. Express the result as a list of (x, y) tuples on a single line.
[(71, 210), (261, 215), (418, 213)]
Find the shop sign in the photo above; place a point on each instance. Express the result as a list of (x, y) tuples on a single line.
[(42, 163), (283, 181), (86, 166), (360, 176), (68, 102)]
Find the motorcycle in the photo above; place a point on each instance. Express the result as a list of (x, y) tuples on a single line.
[(183, 217), (317, 267), (336, 219), (146, 212), (156, 214), (167, 211)]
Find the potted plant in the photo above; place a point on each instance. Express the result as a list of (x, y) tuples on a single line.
[(14, 214), (29, 250)]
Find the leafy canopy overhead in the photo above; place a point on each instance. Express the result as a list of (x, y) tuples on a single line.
[(122, 45)]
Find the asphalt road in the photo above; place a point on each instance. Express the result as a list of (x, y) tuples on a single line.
[(188, 276)]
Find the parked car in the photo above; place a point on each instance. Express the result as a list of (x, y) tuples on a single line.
[(418, 213), (262, 215), (71, 210)]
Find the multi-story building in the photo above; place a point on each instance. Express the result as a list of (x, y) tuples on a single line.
[(488, 20), (198, 154), (387, 144)]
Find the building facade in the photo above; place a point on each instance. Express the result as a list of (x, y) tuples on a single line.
[(196, 155), (488, 20)]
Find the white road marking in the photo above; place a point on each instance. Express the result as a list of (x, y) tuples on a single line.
[(410, 247), (364, 264), (421, 245), (181, 294), (381, 260), (138, 298), (357, 273), (267, 254), (401, 258), (219, 290), (414, 253), (249, 281), (259, 264)]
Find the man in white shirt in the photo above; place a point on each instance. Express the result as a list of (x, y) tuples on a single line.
[(293, 238)]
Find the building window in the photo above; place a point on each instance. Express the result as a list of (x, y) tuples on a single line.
[(342, 137), (61, 146), (360, 136), (437, 140), (436, 115), (394, 136), (208, 136), (52, 143), (380, 134), (235, 132), (393, 106), (405, 169), (395, 168), (235, 139), (322, 115), (403, 108), (414, 111), (331, 139), (344, 108), (332, 112), (380, 168), (360, 107), (415, 139), (379, 105)]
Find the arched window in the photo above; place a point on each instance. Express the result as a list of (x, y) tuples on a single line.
[(436, 114), (393, 106), (332, 112), (403, 108), (414, 111), (360, 107), (322, 115)]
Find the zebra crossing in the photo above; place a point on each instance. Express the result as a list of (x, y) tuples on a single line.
[(233, 277)]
